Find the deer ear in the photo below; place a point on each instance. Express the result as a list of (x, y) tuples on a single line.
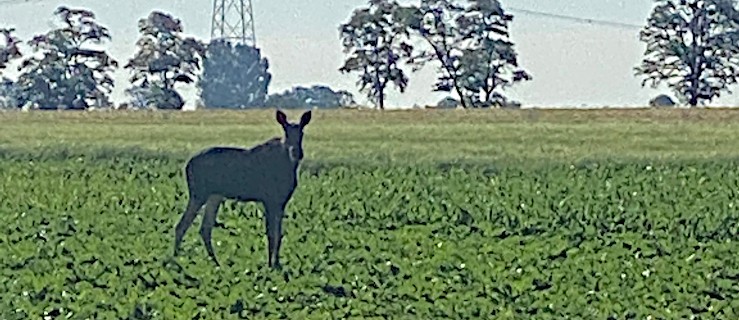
[(281, 118), (305, 118)]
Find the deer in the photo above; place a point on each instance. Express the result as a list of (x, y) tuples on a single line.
[(265, 173)]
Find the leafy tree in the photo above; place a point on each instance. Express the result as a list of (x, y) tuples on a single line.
[(163, 58), (9, 47), (447, 103), (661, 100), (488, 62), (9, 95), (377, 39), (437, 28), (692, 46), (314, 97), (8, 52), (473, 47), (234, 76), (69, 73)]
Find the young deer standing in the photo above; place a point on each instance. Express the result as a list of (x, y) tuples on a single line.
[(266, 173)]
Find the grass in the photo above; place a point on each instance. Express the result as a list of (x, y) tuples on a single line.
[(406, 135), (643, 225)]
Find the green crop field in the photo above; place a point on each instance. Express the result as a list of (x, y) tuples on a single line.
[(423, 214)]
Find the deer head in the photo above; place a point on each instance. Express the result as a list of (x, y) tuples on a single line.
[(294, 134)]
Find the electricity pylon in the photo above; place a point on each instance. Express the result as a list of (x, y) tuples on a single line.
[(233, 21), (234, 73)]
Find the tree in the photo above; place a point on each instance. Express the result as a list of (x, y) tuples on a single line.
[(234, 76), (661, 100), (473, 48), (377, 39), (9, 47), (163, 58), (488, 61), (437, 28), (8, 94), (692, 46), (8, 52), (314, 97), (69, 73)]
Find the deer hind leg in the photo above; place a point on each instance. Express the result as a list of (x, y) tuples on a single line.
[(273, 222), (187, 218), (209, 221)]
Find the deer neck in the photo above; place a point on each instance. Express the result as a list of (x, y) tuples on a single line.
[(287, 151)]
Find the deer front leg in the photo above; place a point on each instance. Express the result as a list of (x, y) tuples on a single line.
[(273, 222)]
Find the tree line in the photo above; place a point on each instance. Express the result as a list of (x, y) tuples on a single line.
[(66, 69), (691, 46), (469, 42)]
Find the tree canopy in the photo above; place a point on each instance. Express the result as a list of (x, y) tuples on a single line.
[(693, 47), (69, 73), (163, 58), (472, 47), (377, 40), (234, 76), (8, 47), (317, 96)]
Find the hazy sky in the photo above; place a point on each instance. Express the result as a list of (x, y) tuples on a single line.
[(573, 64)]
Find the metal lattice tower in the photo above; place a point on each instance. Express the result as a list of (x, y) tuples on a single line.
[(233, 21)]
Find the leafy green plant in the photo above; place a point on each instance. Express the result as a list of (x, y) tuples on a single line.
[(91, 237)]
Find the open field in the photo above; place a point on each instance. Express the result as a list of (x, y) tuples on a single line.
[(414, 135), (545, 214)]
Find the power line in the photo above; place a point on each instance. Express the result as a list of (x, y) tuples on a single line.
[(520, 10), (577, 19)]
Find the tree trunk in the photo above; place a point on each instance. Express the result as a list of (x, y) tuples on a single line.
[(696, 59), (462, 98), (449, 68), (378, 83), (381, 97)]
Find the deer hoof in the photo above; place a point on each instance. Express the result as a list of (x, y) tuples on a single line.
[(220, 225)]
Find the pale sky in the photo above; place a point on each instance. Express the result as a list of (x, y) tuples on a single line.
[(573, 64)]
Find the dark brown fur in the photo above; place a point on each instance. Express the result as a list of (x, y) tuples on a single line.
[(266, 173)]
